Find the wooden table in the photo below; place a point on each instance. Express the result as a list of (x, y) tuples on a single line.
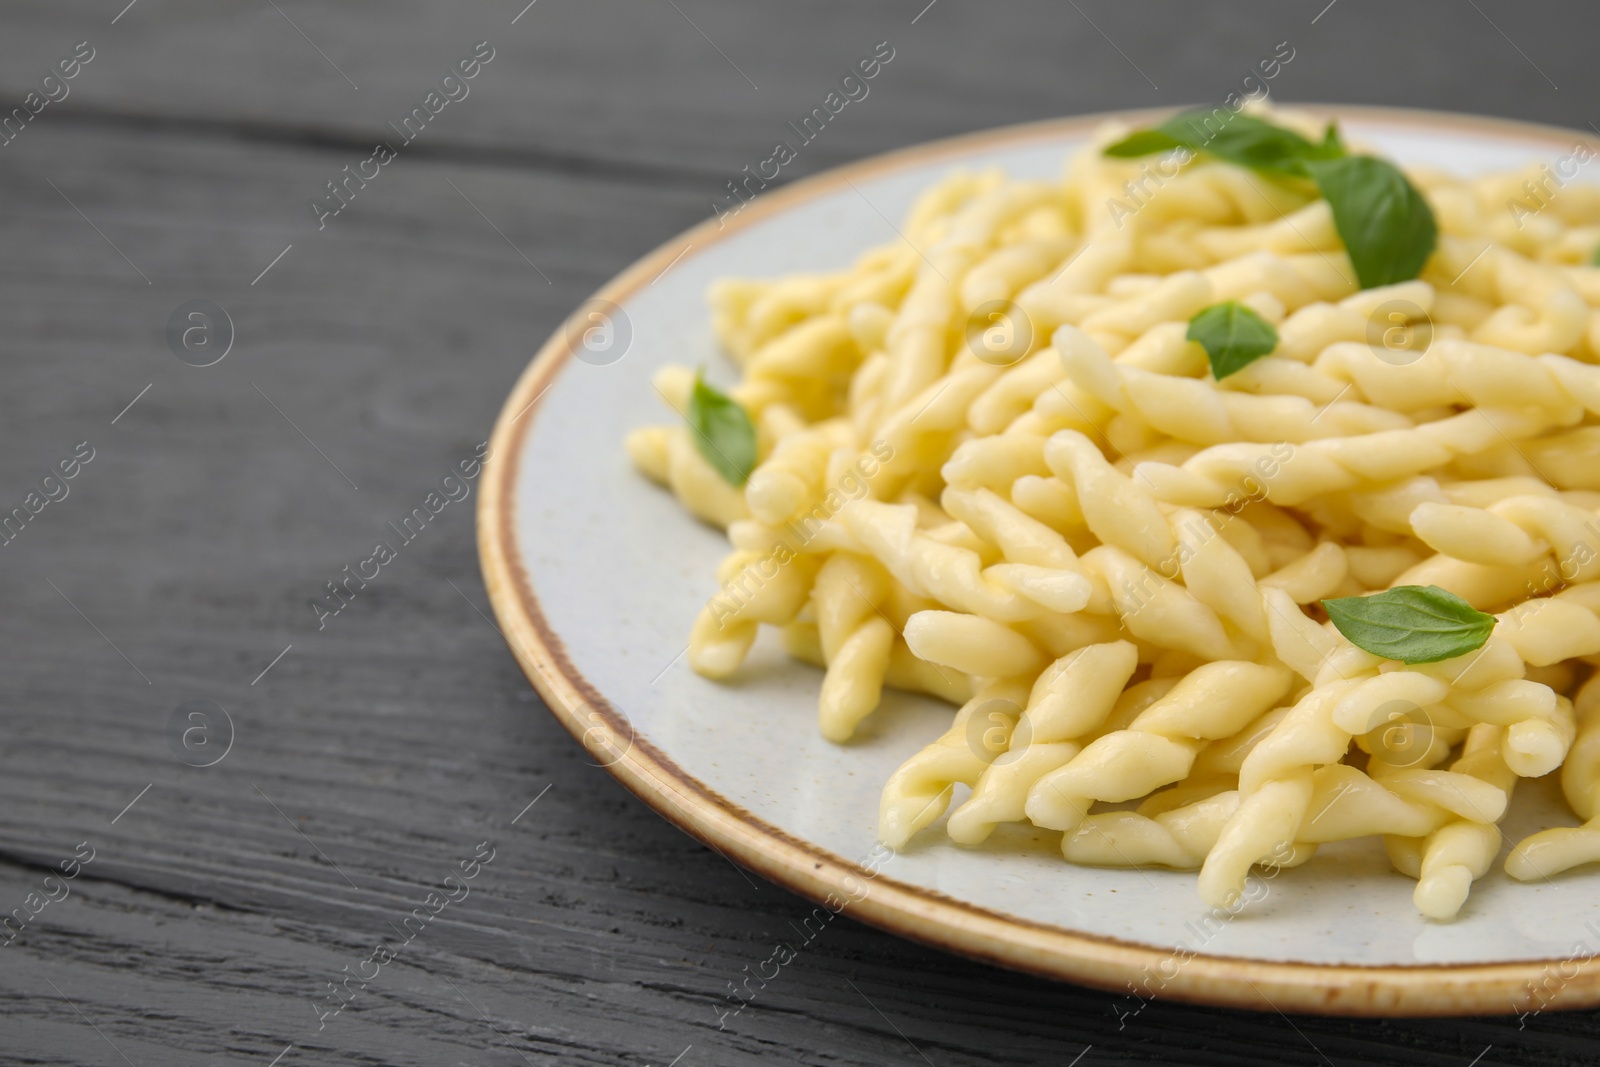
[(370, 757)]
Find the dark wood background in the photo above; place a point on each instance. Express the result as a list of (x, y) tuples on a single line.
[(378, 752)]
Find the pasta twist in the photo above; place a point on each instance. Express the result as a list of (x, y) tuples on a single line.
[(1219, 612), (1515, 529), (722, 634), (668, 455), (1558, 849), (920, 790), (1332, 465), (1159, 747), (1072, 699), (1457, 371), (954, 575), (793, 477), (1411, 802), (856, 639), (1179, 837), (1190, 409), (1450, 859)]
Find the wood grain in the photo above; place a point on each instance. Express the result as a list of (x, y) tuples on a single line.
[(379, 751)]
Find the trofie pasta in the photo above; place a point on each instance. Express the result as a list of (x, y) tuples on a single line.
[(1237, 513)]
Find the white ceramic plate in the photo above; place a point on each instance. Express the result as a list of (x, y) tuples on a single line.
[(596, 575)]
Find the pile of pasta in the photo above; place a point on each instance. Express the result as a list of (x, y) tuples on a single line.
[(1055, 519)]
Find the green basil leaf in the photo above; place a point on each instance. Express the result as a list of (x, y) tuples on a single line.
[(1143, 143), (1233, 336), (1385, 224), (1594, 258), (1236, 137), (1270, 149), (1332, 145), (723, 432), (1411, 623)]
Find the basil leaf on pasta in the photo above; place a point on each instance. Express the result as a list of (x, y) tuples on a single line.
[(1332, 143), (1385, 224), (1233, 336), (1236, 137), (723, 432), (1144, 143), (1411, 623), (1594, 258)]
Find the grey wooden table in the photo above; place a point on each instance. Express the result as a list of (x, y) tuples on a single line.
[(163, 591)]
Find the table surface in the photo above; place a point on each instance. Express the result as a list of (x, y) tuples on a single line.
[(371, 757)]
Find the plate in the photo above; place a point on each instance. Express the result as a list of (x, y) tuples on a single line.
[(596, 575)]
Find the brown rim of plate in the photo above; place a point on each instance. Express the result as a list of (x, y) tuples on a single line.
[(911, 911)]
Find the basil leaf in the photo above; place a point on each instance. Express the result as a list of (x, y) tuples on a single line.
[(1271, 149), (1332, 145), (1411, 623), (1233, 336), (1385, 224), (723, 432), (1594, 258), (1143, 143), (1236, 137)]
